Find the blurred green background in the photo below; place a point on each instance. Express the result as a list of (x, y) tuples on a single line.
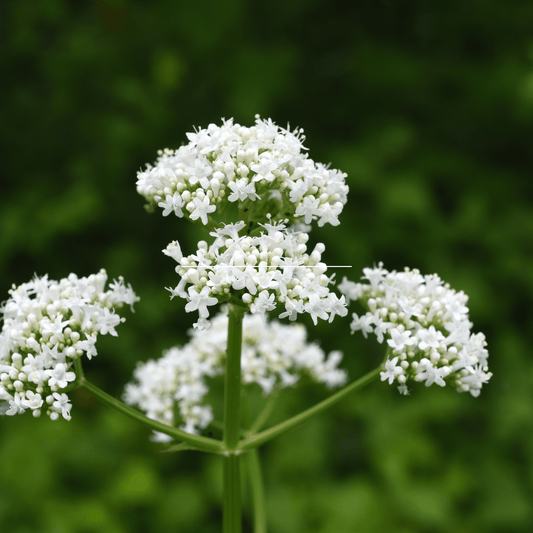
[(428, 106)]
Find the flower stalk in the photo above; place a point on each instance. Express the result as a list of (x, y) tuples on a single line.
[(252, 441), (199, 442), (232, 426), (255, 478)]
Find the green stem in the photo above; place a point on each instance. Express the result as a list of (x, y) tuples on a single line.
[(232, 387), (232, 422), (203, 443), (232, 495), (257, 489), (264, 414), (253, 441), (78, 368)]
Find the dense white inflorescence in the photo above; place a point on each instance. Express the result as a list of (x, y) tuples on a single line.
[(269, 269), (425, 324), (273, 356), (47, 325), (252, 168)]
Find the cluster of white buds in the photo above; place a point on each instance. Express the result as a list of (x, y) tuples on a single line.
[(265, 270), (273, 356), (252, 168), (426, 326), (47, 325)]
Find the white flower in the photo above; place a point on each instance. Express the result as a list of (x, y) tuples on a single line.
[(61, 405), (59, 377), (429, 338), (400, 338), (174, 250), (201, 208), (337, 306), (329, 214), (33, 401), (391, 370), (263, 303), (52, 323), (362, 323), (53, 329), (241, 190), (426, 326), (375, 275), (263, 271), (229, 163), (172, 204), (264, 169), (433, 374), (381, 327), (352, 291), (199, 301), (16, 405), (274, 355), (107, 322), (309, 209)]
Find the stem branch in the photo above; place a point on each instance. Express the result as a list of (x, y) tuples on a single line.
[(252, 441), (261, 419), (203, 443)]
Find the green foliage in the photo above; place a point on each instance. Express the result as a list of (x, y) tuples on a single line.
[(429, 109)]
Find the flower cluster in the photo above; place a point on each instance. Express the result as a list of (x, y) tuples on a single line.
[(426, 326), (47, 325), (250, 167), (267, 269), (273, 356)]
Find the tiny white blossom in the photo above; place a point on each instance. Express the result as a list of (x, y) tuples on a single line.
[(391, 370), (362, 323), (16, 405), (201, 209), (58, 376), (199, 301), (61, 405), (400, 338), (33, 401)]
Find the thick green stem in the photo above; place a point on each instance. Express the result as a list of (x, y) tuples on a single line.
[(253, 441), (232, 388), (232, 425), (203, 443), (232, 495), (258, 494)]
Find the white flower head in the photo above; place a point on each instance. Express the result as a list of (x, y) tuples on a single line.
[(263, 272), (47, 325), (244, 165), (274, 356), (426, 327)]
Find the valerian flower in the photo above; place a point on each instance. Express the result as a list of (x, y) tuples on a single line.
[(47, 325), (274, 355), (426, 327), (249, 167), (262, 272)]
